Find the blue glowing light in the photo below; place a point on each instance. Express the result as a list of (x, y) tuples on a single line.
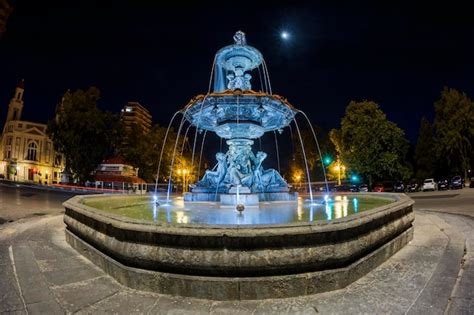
[(326, 198), (285, 35), (355, 178), (327, 160), (356, 205)]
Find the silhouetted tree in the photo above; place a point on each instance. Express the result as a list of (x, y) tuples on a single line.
[(425, 152), (370, 144), (454, 130), (83, 133)]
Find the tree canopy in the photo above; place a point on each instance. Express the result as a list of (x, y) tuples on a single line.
[(425, 151), (143, 151), (454, 130), (297, 165), (83, 133), (369, 144)]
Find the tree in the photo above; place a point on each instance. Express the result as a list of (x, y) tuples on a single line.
[(425, 151), (454, 130), (312, 155), (83, 133), (370, 144), (143, 151)]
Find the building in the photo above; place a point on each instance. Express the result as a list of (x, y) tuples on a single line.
[(5, 11), (135, 113), (26, 152), (115, 173)]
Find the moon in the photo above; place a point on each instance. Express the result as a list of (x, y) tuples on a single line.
[(285, 35)]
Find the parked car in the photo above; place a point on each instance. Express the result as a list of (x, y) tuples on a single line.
[(413, 186), (399, 187), (443, 184), (341, 188), (364, 188), (354, 188), (457, 182), (378, 188), (428, 184), (471, 185)]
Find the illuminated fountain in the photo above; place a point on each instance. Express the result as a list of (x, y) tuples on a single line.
[(192, 246)]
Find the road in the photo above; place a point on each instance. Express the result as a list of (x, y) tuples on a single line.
[(19, 202), (460, 201)]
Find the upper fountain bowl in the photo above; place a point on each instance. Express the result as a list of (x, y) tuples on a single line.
[(239, 114)]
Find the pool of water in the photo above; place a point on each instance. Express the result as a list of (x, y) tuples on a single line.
[(176, 211)]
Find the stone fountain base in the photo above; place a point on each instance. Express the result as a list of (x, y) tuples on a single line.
[(241, 262)]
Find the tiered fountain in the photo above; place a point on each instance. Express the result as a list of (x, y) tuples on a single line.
[(240, 115), (195, 247)]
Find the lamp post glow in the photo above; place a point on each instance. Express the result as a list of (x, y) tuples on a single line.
[(338, 168), (183, 172), (298, 180), (285, 35)]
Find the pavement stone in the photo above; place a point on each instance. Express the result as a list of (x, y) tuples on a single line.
[(179, 306), (233, 307), (76, 296), (45, 307), (461, 307), (10, 299), (33, 286), (123, 302)]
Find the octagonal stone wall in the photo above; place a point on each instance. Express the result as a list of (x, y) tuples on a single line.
[(239, 262)]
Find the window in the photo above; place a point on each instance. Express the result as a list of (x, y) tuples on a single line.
[(15, 114), (9, 140), (17, 147), (32, 148), (57, 159), (47, 151)]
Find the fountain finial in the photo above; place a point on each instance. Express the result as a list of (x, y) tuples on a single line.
[(239, 38)]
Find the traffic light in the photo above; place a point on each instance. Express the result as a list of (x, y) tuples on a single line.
[(327, 160)]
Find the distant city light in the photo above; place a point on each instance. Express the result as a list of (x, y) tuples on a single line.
[(285, 35)]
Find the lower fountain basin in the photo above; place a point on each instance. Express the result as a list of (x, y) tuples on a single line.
[(232, 262)]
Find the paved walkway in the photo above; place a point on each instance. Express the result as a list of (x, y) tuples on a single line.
[(41, 273)]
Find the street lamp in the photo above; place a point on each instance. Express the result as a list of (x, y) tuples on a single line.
[(338, 168), (298, 180), (183, 172)]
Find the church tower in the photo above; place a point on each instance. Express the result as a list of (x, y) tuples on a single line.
[(16, 104)]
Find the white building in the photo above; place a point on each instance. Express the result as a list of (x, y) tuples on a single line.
[(26, 152)]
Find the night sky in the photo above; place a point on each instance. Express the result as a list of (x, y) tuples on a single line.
[(396, 54)]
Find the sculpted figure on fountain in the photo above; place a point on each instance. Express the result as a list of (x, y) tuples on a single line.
[(215, 178), (241, 167)]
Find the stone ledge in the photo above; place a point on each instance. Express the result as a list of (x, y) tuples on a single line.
[(235, 288)]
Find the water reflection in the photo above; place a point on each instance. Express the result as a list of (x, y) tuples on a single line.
[(177, 211), (355, 202)]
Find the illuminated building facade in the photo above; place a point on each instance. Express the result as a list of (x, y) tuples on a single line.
[(26, 152)]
